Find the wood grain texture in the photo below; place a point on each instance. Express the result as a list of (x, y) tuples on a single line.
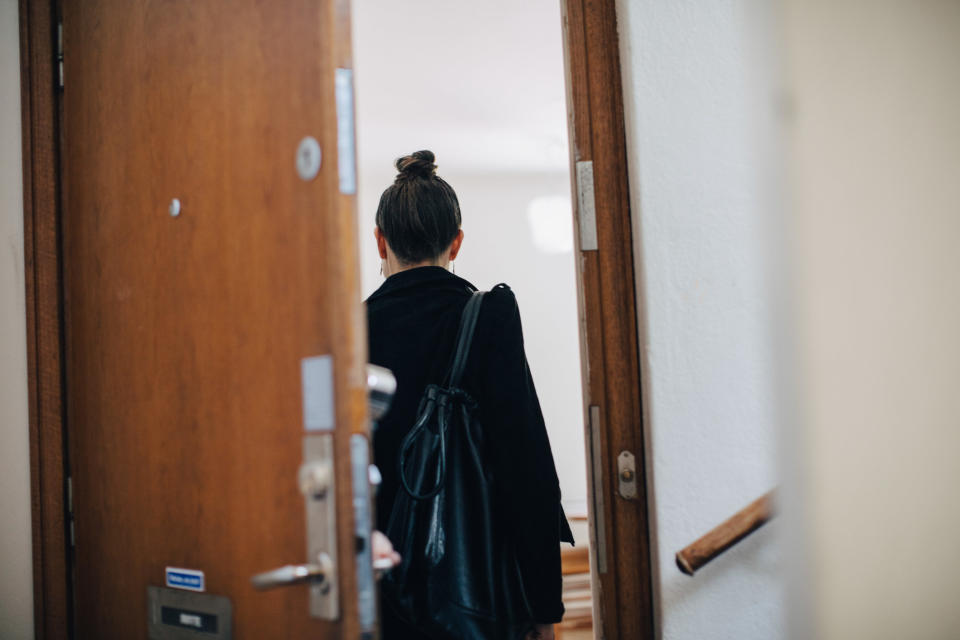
[(41, 193), (608, 309), (184, 335), (725, 535)]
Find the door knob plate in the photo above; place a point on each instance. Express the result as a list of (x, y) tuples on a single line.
[(321, 511)]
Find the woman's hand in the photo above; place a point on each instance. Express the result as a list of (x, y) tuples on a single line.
[(384, 555), (541, 632)]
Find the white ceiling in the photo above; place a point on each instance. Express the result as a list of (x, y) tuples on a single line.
[(479, 83)]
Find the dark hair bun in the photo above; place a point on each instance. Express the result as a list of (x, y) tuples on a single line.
[(419, 164)]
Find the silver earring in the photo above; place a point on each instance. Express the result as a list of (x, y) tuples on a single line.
[(453, 267), (381, 267)]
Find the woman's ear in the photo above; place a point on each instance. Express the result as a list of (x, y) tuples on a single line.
[(381, 243), (455, 245)]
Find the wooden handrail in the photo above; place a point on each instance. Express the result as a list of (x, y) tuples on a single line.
[(726, 534)]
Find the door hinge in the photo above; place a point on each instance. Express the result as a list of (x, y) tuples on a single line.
[(60, 53)]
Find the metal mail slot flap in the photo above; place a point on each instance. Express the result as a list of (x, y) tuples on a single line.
[(173, 614)]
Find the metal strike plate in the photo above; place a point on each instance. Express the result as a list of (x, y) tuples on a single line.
[(317, 482), (586, 206), (598, 535), (346, 135), (627, 475)]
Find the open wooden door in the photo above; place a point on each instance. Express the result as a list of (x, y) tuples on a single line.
[(214, 335)]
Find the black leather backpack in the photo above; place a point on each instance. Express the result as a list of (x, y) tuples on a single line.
[(459, 577)]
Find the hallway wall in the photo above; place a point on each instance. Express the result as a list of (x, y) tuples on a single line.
[(697, 107), (875, 89), (16, 569)]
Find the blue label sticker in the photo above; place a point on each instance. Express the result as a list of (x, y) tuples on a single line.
[(189, 579)]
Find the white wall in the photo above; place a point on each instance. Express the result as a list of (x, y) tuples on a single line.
[(876, 182), (16, 572), (696, 106)]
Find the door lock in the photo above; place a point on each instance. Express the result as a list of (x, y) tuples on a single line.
[(627, 474), (315, 478), (316, 481)]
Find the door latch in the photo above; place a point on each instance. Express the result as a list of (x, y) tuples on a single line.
[(627, 475), (381, 385)]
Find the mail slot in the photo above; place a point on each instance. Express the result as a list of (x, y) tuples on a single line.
[(174, 614)]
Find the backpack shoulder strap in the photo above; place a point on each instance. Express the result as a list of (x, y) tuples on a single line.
[(468, 324)]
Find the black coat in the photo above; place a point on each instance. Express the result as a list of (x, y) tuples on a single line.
[(413, 320)]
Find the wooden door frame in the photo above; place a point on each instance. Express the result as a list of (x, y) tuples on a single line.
[(621, 554), (607, 299), (40, 109)]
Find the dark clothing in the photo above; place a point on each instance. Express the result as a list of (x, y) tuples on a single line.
[(413, 321)]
